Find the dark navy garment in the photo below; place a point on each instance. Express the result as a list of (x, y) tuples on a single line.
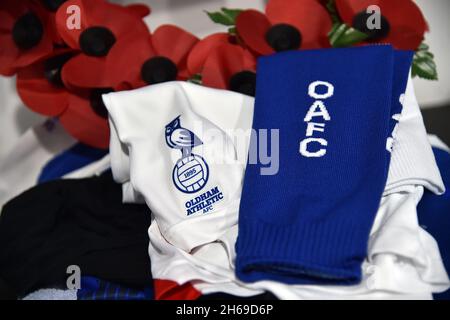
[(78, 222)]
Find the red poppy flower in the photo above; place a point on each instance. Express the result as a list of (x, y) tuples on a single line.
[(402, 22), (286, 25), (51, 6), (155, 58), (201, 51), (230, 67), (25, 34), (81, 113), (141, 10), (40, 87), (103, 26), (86, 118)]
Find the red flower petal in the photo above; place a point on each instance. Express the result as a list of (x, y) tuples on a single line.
[(86, 72), (6, 22), (183, 74), (404, 38), (349, 8), (42, 50), (53, 30), (252, 27), (15, 8), (124, 65), (38, 94), (308, 16), (222, 64), (66, 15), (248, 61), (8, 54), (82, 123), (173, 42), (141, 10), (202, 49), (408, 24), (119, 20), (8, 72)]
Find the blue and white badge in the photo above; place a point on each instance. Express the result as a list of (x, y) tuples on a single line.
[(191, 171)]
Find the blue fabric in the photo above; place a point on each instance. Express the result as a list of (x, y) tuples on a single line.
[(310, 223), (434, 214), (76, 157), (96, 289)]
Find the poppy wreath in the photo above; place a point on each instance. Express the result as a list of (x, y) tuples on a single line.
[(62, 71), (81, 112), (154, 58), (221, 62), (303, 24), (38, 46), (103, 26), (25, 34)]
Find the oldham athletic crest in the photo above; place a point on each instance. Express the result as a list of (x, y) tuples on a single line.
[(190, 173)]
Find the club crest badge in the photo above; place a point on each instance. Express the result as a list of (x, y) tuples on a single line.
[(190, 173)]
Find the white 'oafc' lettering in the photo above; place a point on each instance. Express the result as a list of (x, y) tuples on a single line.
[(314, 147)]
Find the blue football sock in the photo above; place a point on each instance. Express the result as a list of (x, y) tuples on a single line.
[(310, 223)]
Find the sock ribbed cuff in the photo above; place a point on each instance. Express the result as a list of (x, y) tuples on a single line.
[(339, 263)]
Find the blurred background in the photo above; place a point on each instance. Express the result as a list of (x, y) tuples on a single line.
[(433, 96)]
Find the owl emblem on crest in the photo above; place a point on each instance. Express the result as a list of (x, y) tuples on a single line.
[(191, 171)]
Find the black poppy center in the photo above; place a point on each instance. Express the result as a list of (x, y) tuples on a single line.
[(363, 22), (283, 37), (53, 5), (97, 102), (27, 31), (96, 41), (243, 82), (53, 67), (158, 69)]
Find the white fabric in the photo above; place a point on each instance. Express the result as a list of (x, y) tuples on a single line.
[(412, 159), (130, 195), (142, 128), (120, 162), (21, 168), (22, 165), (15, 118), (403, 260), (52, 294)]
